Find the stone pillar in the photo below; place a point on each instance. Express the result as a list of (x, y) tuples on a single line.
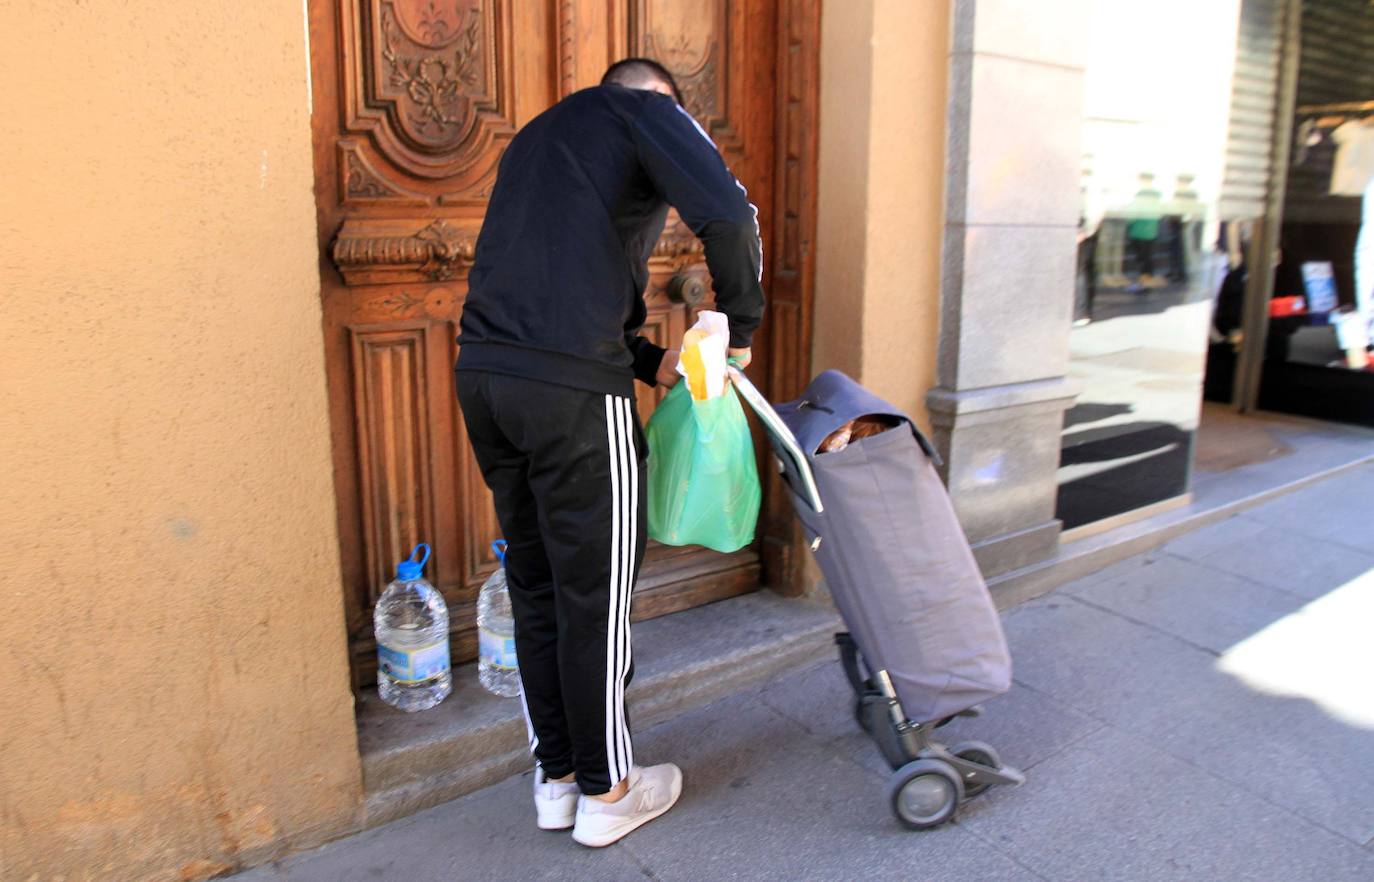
[(1013, 146)]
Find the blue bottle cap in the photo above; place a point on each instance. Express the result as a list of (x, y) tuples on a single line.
[(411, 568)]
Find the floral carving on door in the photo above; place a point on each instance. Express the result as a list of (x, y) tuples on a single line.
[(693, 41), (429, 83), (434, 83), (433, 23)]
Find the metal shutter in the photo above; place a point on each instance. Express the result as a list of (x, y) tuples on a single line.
[(1254, 91)]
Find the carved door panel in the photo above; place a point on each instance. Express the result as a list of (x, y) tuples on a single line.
[(414, 100), (722, 54)]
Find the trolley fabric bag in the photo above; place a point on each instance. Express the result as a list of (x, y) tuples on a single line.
[(895, 557), (703, 480)]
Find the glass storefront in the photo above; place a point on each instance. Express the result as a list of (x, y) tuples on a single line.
[(1152, 251), (1322, 311)]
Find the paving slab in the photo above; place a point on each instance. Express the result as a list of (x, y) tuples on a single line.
[(1024, 726), (1118, 570), (490, 836), (1113, 807), (1234, 531), (1298, 725), (1205, 607), (1107, 667), (1291, 752), (1275, 556), (820, 701), (1325, 511), (765, 800)]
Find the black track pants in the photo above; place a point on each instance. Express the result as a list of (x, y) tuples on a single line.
[(566, 471)]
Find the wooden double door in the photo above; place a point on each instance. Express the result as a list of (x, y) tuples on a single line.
[(413, 102)]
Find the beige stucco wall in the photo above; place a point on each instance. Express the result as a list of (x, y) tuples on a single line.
[(883, 75), (170, 619)]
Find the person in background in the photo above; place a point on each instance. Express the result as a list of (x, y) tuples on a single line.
[(549, 354)]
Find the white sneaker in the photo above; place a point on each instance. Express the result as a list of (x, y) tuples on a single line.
[(555, 804), (653, 790)]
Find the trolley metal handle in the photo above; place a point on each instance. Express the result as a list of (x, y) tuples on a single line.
[(785, 443)]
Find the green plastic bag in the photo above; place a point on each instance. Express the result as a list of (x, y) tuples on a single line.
[(703, 481)]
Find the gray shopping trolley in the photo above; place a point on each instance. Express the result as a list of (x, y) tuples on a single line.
[(925, 643)]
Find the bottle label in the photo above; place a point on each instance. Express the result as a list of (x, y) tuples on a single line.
[(496, 650), (415, 665)]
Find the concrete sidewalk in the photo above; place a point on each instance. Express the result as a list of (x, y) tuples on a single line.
[(1202, 712)]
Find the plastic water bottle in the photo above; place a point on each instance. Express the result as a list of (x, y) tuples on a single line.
[(411, 624), (497, 668)]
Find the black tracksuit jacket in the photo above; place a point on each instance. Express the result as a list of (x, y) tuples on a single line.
[(582, 193)]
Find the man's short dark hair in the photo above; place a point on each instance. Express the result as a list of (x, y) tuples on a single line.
[(636, 73)]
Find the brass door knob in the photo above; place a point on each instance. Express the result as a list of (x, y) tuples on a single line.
[(686, 288)]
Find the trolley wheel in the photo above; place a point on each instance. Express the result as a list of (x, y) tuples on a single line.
[(976, 752), (925, 793)]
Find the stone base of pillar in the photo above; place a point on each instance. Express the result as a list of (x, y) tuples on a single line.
[(1012, 551), (1000, 447)]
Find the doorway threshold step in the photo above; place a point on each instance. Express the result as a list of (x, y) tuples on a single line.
[(682, 661)]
